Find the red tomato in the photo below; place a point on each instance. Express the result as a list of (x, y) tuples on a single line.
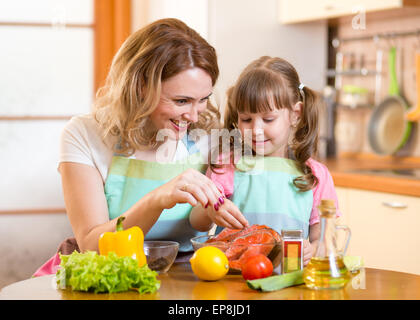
[(257, 267)]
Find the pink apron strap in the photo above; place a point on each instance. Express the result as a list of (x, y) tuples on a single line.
[(49, 267)]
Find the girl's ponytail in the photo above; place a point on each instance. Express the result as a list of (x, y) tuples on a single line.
[(305, 139)]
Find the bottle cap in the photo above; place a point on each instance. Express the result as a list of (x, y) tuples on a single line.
[(327, 207), (292, 233), (327, 203)]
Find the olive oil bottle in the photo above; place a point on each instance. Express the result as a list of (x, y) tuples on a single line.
[(326, 269)]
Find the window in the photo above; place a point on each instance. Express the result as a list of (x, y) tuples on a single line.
[(55, 54)]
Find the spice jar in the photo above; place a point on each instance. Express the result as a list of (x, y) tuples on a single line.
[(292, 250)]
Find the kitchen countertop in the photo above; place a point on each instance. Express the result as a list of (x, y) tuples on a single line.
[(385, 174), (181, 284)]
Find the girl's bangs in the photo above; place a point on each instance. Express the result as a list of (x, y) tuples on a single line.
[(260, 92)]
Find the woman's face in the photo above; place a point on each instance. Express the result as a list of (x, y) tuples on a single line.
[(184, 96)]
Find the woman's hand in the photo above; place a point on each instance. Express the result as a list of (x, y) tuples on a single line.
[(227, 215), (190, 187)]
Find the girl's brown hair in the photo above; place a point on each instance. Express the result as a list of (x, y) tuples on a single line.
[(132, 89), (267, 81)]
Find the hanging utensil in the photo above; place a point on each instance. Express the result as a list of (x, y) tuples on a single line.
[(414, 114), (378, 69), (388, 130), (378, 76)]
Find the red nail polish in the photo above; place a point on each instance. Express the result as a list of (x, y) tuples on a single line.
[(216, 207), (221, 201), (205, 207)]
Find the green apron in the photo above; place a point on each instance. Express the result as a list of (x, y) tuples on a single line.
[(265, 194), (130, 179)]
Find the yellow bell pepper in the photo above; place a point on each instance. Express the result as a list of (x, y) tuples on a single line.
[(125, 243)]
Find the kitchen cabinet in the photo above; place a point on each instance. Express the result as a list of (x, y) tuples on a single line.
[(384, 228), (310, 10)]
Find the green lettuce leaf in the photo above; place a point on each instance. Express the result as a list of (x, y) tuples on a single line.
[(92, 272)]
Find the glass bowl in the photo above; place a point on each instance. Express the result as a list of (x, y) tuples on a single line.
[(239, 252), (160, 255)]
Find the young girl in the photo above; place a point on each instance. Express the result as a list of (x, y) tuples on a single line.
[(279, 184)]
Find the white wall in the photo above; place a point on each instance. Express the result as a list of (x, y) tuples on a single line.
[(192, 12), (244, 30), (44, 72)]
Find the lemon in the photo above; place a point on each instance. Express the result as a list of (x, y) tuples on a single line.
[(209, 263)]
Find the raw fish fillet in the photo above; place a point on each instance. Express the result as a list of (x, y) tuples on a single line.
[(241, 244)]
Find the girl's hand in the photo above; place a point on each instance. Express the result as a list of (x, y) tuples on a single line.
[(191, 187), (227, 215), (308, 251)]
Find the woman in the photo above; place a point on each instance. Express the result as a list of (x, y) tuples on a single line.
[(132, 155)]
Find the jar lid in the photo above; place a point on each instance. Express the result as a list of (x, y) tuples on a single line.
[(292, 233)]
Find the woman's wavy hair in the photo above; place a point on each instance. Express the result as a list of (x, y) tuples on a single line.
[(271, 79), (132, 88)]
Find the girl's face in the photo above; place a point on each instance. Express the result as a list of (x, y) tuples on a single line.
[(268, 132), (184, 96)]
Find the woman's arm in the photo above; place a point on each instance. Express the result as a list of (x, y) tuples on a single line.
[(87, 207)]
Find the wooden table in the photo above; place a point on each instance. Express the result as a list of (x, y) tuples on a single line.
[(181, 284)]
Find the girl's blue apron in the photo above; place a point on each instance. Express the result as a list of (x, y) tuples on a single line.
[(265, 194)]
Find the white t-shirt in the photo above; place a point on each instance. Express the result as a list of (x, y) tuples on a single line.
[(81, 142)]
